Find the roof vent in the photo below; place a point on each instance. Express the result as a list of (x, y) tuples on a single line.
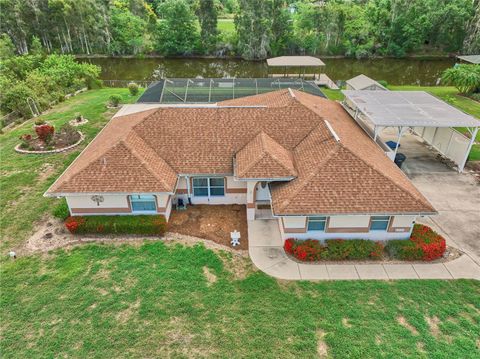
[(332, 131), (291, 92)]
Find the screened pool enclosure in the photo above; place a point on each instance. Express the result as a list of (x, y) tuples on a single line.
[(209, 90)]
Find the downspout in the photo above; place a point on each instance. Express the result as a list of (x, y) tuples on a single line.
[(189, 195)]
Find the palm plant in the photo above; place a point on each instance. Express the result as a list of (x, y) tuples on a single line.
[(466, 78)]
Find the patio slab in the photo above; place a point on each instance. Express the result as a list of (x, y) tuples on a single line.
[(400, 271), (313, 271), (342, 271), (371, 271), (432, 271), (263, 232)]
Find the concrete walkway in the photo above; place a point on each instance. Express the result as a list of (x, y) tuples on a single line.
[(266, 252)]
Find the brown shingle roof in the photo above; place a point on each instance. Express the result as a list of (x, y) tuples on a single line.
[(145, 152), (263, 157)]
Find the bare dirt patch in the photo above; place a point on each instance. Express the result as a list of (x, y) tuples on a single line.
[(211, 278), (346, 323), (433, 325), (403, 322), (126, 314), (421, 347), (45, 171), (322, 348), (212, 222)]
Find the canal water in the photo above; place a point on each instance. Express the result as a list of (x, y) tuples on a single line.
[(425, 72)]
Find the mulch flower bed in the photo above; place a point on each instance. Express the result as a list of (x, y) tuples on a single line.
[(47, 139)]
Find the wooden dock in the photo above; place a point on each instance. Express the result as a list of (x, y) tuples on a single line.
[(324, 80)]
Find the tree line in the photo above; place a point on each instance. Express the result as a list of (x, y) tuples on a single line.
[(261, 28)]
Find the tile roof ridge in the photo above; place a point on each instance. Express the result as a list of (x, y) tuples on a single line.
[(272, 155), (143, 161), (307, 179), (403, 189)]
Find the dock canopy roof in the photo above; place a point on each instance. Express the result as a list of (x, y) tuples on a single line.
[(295, 61), (474, 59), (408, 108)]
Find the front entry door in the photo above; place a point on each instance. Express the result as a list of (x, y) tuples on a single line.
[(262, 192)]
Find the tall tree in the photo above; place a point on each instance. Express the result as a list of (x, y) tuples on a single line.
[(253, 24), (128, 32), (207, 16), (471, 44), (282, 27), (177, 32)]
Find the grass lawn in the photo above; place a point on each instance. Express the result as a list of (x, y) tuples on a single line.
[(448, 94), (156, 301), (24, 178)]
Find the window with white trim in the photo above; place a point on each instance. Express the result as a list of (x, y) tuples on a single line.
[(317, 223), (143, 203), (208, 186), (379, 223)]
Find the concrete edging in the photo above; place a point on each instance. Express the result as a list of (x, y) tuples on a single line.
[(59, 150)]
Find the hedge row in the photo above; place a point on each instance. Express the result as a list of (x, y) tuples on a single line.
[(333, 249), (424, 244), (145, 225)]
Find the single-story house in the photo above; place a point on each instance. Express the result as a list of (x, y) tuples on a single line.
[(362, 82), (299, 155)]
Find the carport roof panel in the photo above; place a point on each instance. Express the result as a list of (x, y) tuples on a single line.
[(408, 108), (293, 61)]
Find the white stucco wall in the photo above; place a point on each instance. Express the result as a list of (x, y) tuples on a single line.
[(295, 227), (349, 221), (294, 222), (85, 201), (403, 221), (81, 205)]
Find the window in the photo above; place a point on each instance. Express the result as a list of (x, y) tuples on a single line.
[(379, 223), (145, 203), (208, 187), (317, 223)]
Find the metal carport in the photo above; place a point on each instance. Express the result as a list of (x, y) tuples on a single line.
[(429, 117)]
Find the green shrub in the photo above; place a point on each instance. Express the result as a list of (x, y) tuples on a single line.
[(133, 88), (39, 122), (338, 249), (404, 249), (61, 210), (144, 225), (383, 83), (114, 100)]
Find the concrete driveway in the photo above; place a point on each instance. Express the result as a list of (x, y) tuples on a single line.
[(456, 196)]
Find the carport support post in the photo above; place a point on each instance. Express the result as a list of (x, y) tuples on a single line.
[(473, 135), (401, 130)]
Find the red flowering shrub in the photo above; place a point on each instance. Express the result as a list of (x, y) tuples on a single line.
[(72, 223), (432, 244), (424, 244), (45, 132), (288, 245)]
